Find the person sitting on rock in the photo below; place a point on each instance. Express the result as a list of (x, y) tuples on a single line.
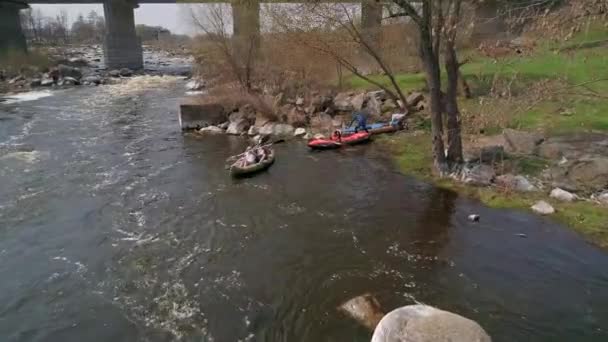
[(360, 117)]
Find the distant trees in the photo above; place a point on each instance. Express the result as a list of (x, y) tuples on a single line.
[(41, 29), (89, 30)]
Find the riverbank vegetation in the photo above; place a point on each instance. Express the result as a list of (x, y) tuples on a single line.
[(555, 90)]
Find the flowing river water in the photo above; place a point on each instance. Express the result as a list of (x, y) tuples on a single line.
[(115, 226)]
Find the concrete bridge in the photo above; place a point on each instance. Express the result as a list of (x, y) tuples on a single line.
[(122, 46)]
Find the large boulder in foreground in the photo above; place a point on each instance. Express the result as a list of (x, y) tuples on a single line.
[(422, 323)]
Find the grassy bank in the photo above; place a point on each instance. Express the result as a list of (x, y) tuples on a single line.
[(412, 154), (557, 88)]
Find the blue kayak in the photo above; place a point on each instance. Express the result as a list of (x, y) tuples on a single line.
[(380, 127)]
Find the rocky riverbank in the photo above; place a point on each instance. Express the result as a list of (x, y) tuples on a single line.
[(302, 116), (561, 176), (84, 66)]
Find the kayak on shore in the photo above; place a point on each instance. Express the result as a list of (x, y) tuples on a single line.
[(376, 128), (337, 142)]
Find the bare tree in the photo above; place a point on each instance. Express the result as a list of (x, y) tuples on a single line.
[(437, 19), (238, 54), (334, 30)]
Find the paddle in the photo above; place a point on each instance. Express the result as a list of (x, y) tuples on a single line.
[(232, 159)]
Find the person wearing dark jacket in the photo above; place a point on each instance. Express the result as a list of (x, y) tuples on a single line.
[(360, 117)]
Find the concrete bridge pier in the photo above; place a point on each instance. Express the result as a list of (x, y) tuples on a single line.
[(11, 34), (246, 26), (122, 46), (371, 24), (489, 25), (371, 17)]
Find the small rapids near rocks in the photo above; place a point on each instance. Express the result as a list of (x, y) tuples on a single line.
[(115, 226)]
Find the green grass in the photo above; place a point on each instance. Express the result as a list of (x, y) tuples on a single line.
[(566, 115), (412, 153), (407, 82)]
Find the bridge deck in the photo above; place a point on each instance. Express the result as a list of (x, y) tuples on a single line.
[(59, 2)]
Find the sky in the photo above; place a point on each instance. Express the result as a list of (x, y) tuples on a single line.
[(171, 16)]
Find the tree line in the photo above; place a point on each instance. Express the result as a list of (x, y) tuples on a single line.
[(41, 29)]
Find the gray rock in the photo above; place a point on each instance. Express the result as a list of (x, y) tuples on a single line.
[(388, 106), (126, 72), (70, 81), (35, 82), (374, 107), (277, 129), (114, 73), (478, 175), (299, 132), (342, 102), (517, 183), (522, 142), (211, 130), (224, 125), (365, 309), (563, 195), (484, 154), (296, 117), (602, 197), (68, 71), (422, 323), (322, 122), (253, 131), (421, 105), (46, 82), (320, 103), (585, 174), (543, 208), (414, 98), (238, 127), (473, 218), (379, 95), (16, 79), (357, 101), (195, 85), (92, 79)]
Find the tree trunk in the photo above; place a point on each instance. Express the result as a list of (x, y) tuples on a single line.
[(431, 65), (453, 115)]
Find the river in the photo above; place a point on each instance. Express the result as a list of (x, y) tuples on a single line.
[(115, 226)]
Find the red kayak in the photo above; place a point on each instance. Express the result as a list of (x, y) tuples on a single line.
[(336, 142)]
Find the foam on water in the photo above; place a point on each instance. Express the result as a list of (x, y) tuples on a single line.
[(27, 96), (29, 157)]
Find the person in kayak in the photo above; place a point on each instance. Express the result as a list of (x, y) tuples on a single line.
[(360, 117), (336, 136), (249, 158)]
